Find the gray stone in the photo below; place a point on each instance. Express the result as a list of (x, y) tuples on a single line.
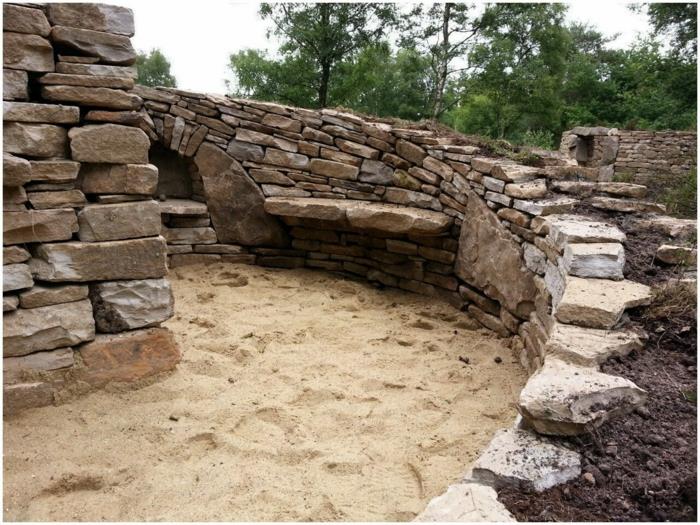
[(535, 259), (14, 254), (99, 261), (98, 17), (41, 295), (466, 503), (410, 151), (286, 159), (245, 151), (16, 277), (98, 70), (19, 19), (14, 85), (54, 171), (16, 171), (411, 198), (126, 305), (35, 140), (337, 170), (15, 367), (566, 400), (112, 222), (626, 205), (527, 190), (41, 113), (589, 346), (677, 255), (45, 200), (235, 202), (189, 235), (526, 461), (545, 207), (490, 260), (92, 96), (10, 303), (48, 327), (375, 172), (183, 207), (109, 143), (63, 79), (599, 260), (127, 179), (27, 52), (109, 48), (566, 229), (20, 227)]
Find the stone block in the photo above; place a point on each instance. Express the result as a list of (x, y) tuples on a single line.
[(40, 113), (92, 96), (48, 327), (100, 261), (112, 222), (126, 305), (15, 368), (109, 48), (54, 171), (466, 503), (190, 235), (109, 143), (20, 19), (27, 52), (127, 179), (41, 295), (16, 277), (15, 84), (21, 227), (35, 140), (599, 260), (45, 200), (98, 70), (329, 168), (16, 171), (98, 17), (14, 254)]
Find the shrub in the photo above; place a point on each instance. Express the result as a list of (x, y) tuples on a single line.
[(681, 197)]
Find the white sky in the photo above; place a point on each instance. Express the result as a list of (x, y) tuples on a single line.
[(198, 36)]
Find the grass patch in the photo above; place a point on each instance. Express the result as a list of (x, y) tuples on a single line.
[(681, 198)]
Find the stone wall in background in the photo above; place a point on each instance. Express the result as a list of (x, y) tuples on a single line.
[(653, 158)]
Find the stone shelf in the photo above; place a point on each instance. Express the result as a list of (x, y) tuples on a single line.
[(390, 218), (183, 207)]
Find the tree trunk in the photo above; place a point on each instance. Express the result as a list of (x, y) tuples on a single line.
[(444, 59), (324, 62), (323, 85)]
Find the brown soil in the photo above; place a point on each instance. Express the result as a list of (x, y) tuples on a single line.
[(644, 464), (302, 396)]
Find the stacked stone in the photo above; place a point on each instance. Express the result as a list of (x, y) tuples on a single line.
[(83, 253)]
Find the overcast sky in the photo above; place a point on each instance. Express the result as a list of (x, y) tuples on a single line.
[(199, 36)]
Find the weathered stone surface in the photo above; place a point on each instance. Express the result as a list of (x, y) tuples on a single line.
[(16, 277), (109, 48), (92, 96), (98, 70), (278, 121), (235, 202), (127, 179), (524, 460), (671, 226), (245, 151), (38, 226), (566, 229), (10, 303), (16, 171), (489, 321), (27, 52), (183, 207), (514, 172), (62, 79), (527, 190), (14, 368), (128, 357), (126, 305), (14, 85), (54, 171), (14, 254), (410, 151), (330, 168), (98, 17), (41, 113), (626, 205), (109, 143), (41, 295), (546, 206), (19, 19), (681, 255), (600, 260), (48, 327), (14, 198), (310, 208), (623, 189), (590, 346), (565, 400), (599, 303), (375, 172), (286, 159), (112, 222), (412, 198), (397, 219), (466, 503), (189, 235), (35, 140), (99, 261), (489, 259)]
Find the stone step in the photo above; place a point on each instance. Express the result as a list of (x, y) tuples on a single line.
[(363, 215), (526, 461), (599, 303), (566, 400), (600, 260), (665, 225), (183, 207), (626, 205), (565, 229), (587, 188), (590, 346)]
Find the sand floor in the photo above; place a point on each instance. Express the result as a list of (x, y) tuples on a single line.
[(301, 396)]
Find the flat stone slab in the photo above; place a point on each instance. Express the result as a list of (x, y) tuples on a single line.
[(546, 206), (626, 205), (109, 143), (38, 226), (364, 215), (41, 295), (40, 113), (183, 207), (126, 305), (671, 226), (601, 260), (112, 222), (599, 303), (522, 459), (33, 329), (566, 400), (564, 229), (16, 277), (466, 502), (590, 346), (680, 255)]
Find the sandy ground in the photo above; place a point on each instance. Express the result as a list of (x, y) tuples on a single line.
[(301, 396)]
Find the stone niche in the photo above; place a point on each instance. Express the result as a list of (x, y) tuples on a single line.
[(174, 173)]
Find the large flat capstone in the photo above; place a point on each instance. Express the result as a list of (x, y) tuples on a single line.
[(365, 215), (590, 346), (566, 400), (100, 261)]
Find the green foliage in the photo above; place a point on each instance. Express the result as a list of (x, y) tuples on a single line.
[(539, 138), (154, 69), (680, 21), (681, 198)]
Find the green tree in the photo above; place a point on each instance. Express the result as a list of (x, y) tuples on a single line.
[(680, 22), (325, 34), (154, 69)]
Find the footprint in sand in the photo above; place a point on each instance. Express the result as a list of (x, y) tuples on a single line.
[(74, 483), (423, 325), (231, 279), (205, 297), (204, 323)]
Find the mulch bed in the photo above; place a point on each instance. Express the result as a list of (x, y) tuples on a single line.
[(643, 467)]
